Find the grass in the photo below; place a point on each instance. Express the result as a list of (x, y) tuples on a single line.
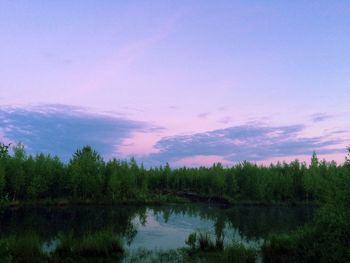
[(232, 254), (102, 244), (29, 248), (205, 242), (239, 254), (24, 248), (202, 242), (161, 256), (202, 247)]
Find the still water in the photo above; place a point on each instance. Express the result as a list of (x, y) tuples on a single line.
[(154, 227)]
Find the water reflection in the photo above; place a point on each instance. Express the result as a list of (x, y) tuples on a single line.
[(160, 227)]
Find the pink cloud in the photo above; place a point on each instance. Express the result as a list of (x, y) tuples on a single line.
[(201, 160)]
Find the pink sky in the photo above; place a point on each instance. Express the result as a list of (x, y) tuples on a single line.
[(181, 69)]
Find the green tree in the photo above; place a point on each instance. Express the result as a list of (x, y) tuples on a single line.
[(347, 158), (114, 179), (297, 171), (47, 177), (312, 180), (86, 170), (15, 174), (4, 150), (2, 179), (3, 158)]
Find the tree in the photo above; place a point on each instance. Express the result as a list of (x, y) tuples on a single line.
[(3, 158), (15, 174), (347, 158), (312, 181), (314, 160), (2, 180), (4, 149), (113, 179), (46, 176), (86, 171)]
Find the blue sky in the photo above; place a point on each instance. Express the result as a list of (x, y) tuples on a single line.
[(164, 80)]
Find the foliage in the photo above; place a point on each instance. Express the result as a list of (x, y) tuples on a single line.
[(23, 248), (192, 240), (327, 239), (87, 177), (159, 256), (205, 242), (237, 253), (86, 170), (103, 244), (200, 242)]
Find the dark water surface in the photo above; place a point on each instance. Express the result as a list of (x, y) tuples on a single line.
[(154, 227)]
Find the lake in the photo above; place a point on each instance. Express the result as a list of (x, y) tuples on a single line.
[(154, 227)]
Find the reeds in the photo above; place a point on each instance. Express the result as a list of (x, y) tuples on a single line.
[(102, 244)]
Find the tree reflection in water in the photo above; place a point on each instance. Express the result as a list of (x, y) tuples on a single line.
[(247, 224)]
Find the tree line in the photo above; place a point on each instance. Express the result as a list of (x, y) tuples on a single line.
[(87, 176), (327, 238)]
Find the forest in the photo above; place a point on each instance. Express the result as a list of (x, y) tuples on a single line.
[(87, 177)]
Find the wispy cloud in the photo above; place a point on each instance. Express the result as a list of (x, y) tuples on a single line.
[(225, 120), (172, 107), (246, 142), (61, 129), (318, 117), (204, 115), (113, 67)]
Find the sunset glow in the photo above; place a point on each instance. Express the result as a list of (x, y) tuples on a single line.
[(184, 82)]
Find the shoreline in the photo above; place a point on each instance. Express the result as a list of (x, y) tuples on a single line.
[(163, 199)]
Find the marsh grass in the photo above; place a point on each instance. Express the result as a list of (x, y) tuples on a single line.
[(205, 242), (233, 254), (202, 241), (160, 256), (24, 248), (204, 249), (238, 253), (102, 244)]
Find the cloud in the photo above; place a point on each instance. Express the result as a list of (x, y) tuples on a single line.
[(225, 120), (173, 107), (252, 142), (204, 115), (318, 117), (62, 129), (223, 108)]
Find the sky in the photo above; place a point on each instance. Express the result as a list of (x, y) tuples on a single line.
[(184, 82)]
